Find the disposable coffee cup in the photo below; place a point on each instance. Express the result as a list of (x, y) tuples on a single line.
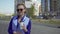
[(21, 25)]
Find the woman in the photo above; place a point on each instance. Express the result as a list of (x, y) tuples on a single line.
[(20, 24)]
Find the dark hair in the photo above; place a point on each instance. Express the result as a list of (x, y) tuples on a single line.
[(22, 5)]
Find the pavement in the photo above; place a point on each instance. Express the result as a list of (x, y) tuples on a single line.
[(36, 28)]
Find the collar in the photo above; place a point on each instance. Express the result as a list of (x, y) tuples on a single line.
[(22, 19)]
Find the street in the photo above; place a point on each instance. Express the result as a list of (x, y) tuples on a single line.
[(36, 28)]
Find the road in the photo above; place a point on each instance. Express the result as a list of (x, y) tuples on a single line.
[(36, 28)]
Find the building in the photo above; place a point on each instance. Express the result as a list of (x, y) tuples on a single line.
[(45, 6), (55, 7), (51, 7), (27, 3)]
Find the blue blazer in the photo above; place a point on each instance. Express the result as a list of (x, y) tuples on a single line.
[(10, 30)]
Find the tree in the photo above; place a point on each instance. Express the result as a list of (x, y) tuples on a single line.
[(31, 12)]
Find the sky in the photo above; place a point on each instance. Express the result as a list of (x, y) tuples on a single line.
[(6, 6)]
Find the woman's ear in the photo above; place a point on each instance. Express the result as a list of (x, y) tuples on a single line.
[(24, 10)]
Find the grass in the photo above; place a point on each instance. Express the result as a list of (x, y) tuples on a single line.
[(49, 21), (7, 18)]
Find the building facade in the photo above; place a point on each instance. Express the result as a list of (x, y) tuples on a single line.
[(45, 6), (51, 7)]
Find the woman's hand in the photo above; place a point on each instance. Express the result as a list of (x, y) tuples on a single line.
[(14, 32), (17, 33), (24, 28)]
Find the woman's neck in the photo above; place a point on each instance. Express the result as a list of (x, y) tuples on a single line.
[(20, 16)]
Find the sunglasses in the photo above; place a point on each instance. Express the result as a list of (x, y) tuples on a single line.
[(20, 9)]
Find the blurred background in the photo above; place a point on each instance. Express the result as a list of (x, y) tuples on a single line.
[(45, 15)]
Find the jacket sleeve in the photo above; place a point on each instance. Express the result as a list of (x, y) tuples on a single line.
[(28, 27)]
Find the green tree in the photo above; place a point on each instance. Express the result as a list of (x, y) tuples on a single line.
[(31, 12)]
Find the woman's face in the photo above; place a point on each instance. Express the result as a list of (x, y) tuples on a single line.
[(20, 10)]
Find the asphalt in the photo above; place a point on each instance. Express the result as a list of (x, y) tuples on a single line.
[(36, 28)]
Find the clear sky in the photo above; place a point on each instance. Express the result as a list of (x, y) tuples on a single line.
[(6, 6)]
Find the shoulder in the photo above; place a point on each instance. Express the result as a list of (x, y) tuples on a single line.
[(26, 18), (14, 17)]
